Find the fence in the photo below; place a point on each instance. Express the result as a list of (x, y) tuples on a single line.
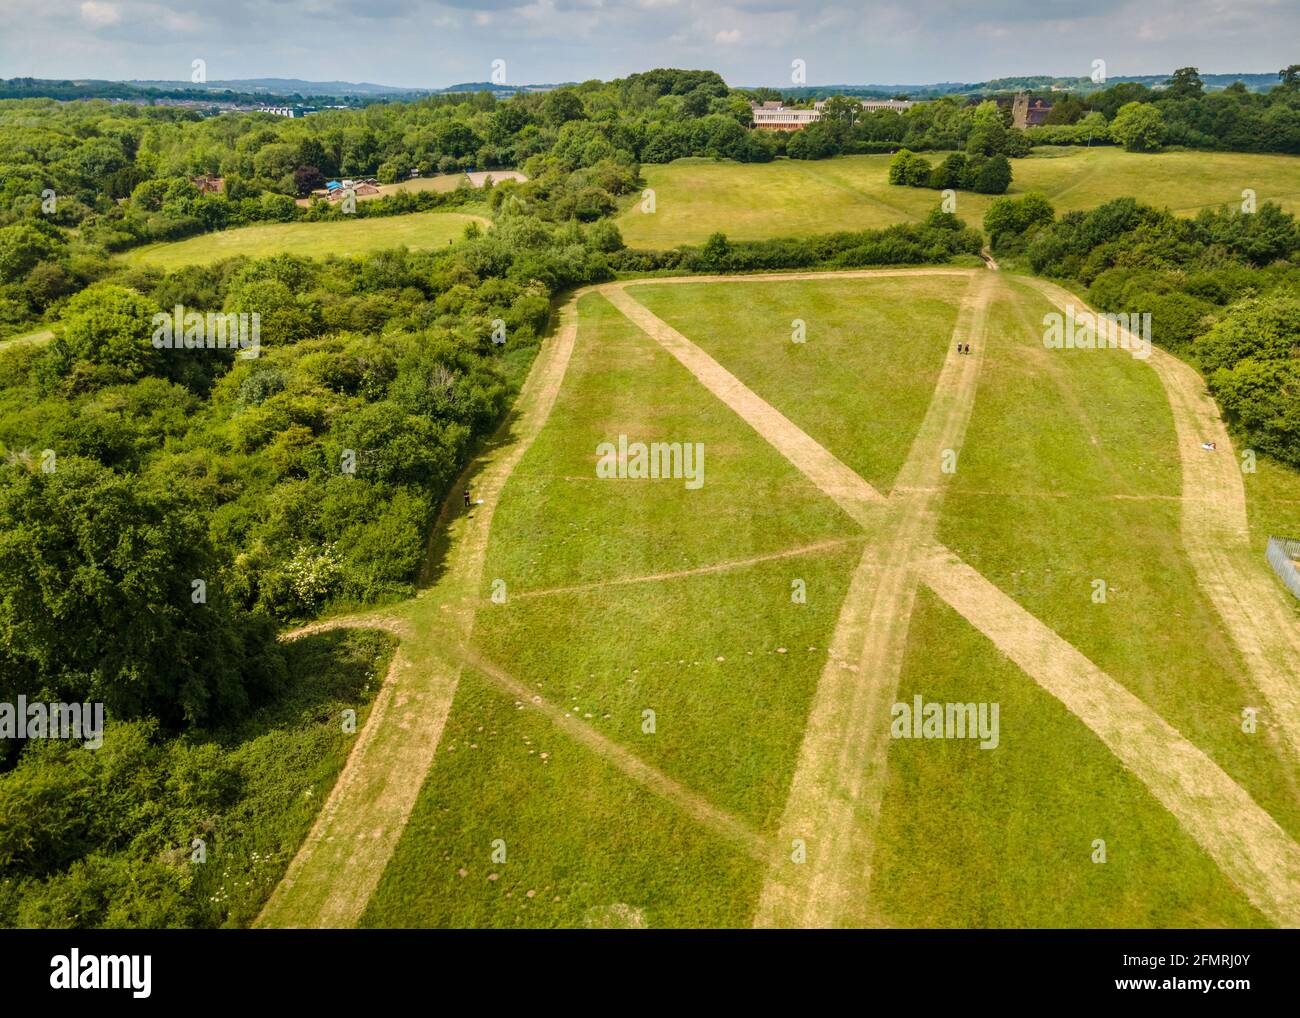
[(1283, 554)]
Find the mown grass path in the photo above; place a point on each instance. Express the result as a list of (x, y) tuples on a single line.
[(1216, 536), (338, 866), (836, 789)]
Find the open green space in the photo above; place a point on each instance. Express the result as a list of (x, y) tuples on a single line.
[(727, 660), (860, 381), (1069, 475), (1006, 837), (310, 240), (790, 197)]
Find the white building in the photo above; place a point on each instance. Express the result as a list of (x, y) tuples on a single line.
[(775, 116)]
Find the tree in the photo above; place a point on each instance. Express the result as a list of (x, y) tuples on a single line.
[(987, 139), (842, 110), (899, 165), (1009, 218), (1065, 111), (991, 176), (562, 105), (110, 325), (96, 577), (716, 253), (816, 141), (1139, 127), (307, 179), (949, 173), (273, 162), (1290, 76), (22, 247), (1186, 83)]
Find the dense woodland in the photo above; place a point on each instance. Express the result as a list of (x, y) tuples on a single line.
[(176, 465)]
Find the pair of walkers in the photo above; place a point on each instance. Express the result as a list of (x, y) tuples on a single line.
[(963, 349)]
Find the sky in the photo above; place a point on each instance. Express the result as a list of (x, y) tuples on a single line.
[(434, 43)]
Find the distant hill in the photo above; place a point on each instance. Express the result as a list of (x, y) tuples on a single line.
[(285, 87), (297, 91), (1254, 81)]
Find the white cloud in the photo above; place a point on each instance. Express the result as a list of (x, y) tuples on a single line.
[(99, 14), (728, 36)]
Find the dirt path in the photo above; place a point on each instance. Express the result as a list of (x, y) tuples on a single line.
[(651, 777), (854, 495), (336, 870), (1216, 536), (725, 566), (835, 792), (1246, 843), (834, 800)]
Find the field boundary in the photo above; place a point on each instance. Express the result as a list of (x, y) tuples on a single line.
[(332, 877)]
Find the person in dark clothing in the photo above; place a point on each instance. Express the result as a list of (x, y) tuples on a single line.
[(467, 501)]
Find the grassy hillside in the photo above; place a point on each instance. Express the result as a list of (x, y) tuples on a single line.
[(695, 197), (1069, 471), (311, 240)]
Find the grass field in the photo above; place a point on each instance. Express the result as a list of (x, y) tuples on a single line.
[(729, 700), (694, 197), (311, 240), (622, 596)]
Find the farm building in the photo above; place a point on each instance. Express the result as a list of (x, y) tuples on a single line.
[(776, 116), (1026, 112), (338, 190)]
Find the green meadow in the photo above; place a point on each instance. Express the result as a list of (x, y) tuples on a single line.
[(860, 381), (309, 240), (790, 197), (1068, 474), (727, 661), (1005, 837)]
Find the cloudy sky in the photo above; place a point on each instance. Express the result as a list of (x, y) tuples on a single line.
[(432, 43)]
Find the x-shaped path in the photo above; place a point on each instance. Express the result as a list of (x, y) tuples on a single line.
[(834, 798)]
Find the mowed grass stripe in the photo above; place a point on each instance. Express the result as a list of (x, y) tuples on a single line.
[(584, 844), (1258, 614), (561, 525), (1245, 842), (1005, 837), (726, 730), (1097, 424), (862, 379), (726, 661)]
